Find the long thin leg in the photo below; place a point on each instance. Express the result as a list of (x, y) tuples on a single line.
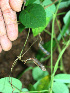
[(37, 63)]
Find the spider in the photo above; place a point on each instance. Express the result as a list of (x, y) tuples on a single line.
[(31, 59)]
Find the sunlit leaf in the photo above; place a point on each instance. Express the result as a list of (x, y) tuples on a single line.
[(59, 87), (24, 90), (37, 73), (42, 84), (62, 78), (49, 12), (64, 4), (38, 30), (50, 9), (5, 85)]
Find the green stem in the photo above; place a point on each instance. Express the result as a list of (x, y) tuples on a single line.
[(54, 16), (57, 63), (47, 31), (52, 45), (60, 55), (61, 61), (61, 13), (59, 29), (42, 91)]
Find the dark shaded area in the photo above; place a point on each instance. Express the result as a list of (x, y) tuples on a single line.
[(7, 58)]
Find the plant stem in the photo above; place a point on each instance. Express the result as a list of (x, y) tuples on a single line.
[(52, 75), (60, 29), (47, 31), (57, 63), (61, 13)]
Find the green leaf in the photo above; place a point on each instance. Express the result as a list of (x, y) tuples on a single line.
[(37, 73), (36, 84), (64, 4), (66, 17), (62, 78), (42, 84), (37, 2), (29, 2), (60, 88), (33, 16), (50, 9), (31, 87), (49, 12), (36, 31), (21, 27), (24, 90), (64, 29), (6, 87), (47, 46)]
